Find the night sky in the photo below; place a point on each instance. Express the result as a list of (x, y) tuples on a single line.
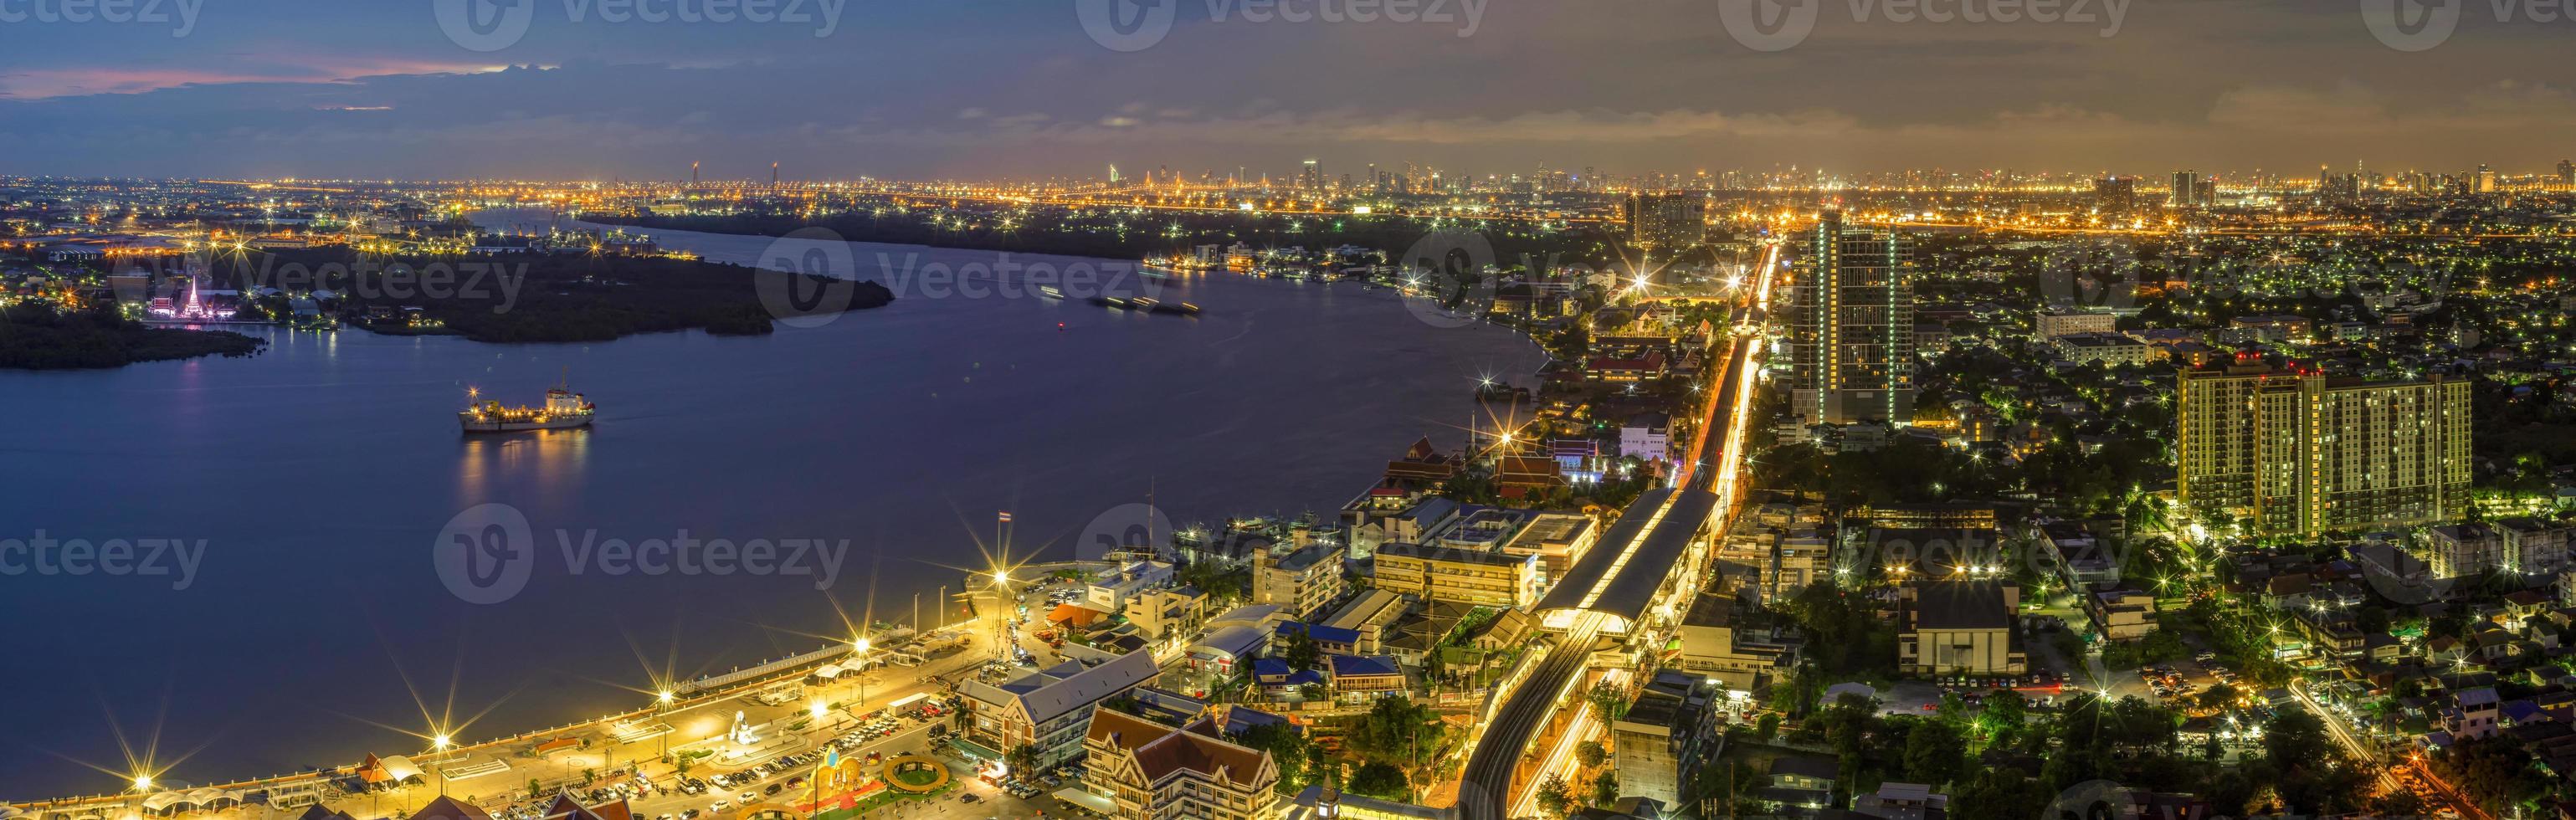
[(985, 89)]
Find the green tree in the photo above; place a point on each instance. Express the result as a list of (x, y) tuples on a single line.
[(1609, 701), (2003, 714), (1289, 747), (1380, 780), (1590, 753), (1605, 789), (1934, 753), (1554, 797)]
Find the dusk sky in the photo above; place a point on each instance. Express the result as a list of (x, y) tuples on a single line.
[(994, 88)]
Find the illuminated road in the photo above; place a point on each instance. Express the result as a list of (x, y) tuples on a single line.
[(1488, 790), (2363, 755)]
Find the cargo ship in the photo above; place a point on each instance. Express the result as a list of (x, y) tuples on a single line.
[(564, 409)]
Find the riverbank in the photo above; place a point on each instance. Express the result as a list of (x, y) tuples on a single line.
[(37, 337), (540, 297)]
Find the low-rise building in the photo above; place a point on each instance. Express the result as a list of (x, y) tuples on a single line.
[(1302, 581), (2122, 614), (2462, 550), (1474, 577), (1658, 738), (2047, 326), (1903, 801), (2108, 349), (1167, 612), (1368, 614), (1647, 437), (2534, 546), (1048, 711), (1958, 628), (1150, 771), (1558, 539), (1363, 677), (1712, 648)]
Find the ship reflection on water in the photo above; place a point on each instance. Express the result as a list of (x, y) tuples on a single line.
[(552, 460)]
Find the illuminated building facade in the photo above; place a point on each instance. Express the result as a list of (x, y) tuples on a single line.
[(1852, 327), (1666, 222), (2296, 452)]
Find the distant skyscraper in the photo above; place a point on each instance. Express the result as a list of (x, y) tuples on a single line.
[(1666, 222), (1312, 177), (2567, 173), (2115, 194), (2186, 190), (2298, 453), (1852, 327), (2486, 180)]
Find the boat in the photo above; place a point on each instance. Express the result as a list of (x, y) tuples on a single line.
[(1145, 303), (1110, 302), (1050, 292), (564, 409), (1177, 308)]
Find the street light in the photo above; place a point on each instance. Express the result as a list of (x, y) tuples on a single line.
[(438, 745), (860, 646)]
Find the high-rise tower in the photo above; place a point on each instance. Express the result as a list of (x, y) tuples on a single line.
[(1852, 327)]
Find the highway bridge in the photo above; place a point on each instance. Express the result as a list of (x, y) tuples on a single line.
[(1648, 562)]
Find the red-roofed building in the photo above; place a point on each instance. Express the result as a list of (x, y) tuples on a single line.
[(1154, 772), (1641, 368)]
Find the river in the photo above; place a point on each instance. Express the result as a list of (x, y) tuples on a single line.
[(313, 483)]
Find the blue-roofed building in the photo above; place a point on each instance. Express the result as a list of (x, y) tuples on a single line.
[(1330, 639)]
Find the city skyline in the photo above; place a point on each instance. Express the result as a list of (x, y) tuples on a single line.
[(310, 90)]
